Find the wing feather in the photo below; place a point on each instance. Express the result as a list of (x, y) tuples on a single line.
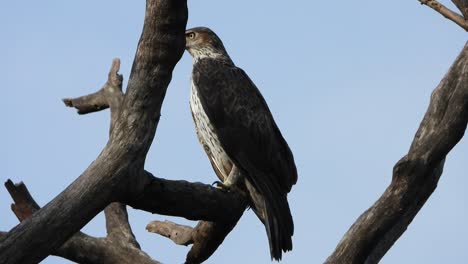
[(245, 125)]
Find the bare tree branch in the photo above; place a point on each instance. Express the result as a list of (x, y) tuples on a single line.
[(114, 174), (415, 176), (447, 13), (207, 237), (88, 103), (80, 248), (110, 94), (117, 225), (193, 201), (180, 234), (117, 177)]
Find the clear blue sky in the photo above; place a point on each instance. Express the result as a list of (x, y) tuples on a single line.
[(347, 82)]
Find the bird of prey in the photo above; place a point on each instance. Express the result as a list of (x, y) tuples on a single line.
[(240, 137)]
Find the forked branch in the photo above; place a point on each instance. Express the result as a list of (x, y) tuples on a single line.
[(81, 248), (109, 95), (114, 175)]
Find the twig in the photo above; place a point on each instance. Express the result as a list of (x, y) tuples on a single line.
[(447, 13)]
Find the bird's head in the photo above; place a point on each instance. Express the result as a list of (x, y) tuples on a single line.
[(202, 42)]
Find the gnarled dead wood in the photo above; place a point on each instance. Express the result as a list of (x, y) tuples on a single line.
[(221, 210), (180, 234), (114, 174), (206, 237), (415, 176), (193, 201), (80, 247)]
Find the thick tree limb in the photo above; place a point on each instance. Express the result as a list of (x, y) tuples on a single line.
[(193, 201), (415, 176), (81, 248), (178, 198), (113, 174), (447, 13), (118, 175)]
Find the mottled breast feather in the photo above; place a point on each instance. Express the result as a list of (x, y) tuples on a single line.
[(207, 135), (244, 125)]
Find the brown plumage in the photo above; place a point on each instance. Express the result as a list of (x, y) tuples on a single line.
[(238, 132)]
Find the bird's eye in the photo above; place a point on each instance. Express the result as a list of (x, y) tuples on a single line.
[(191, 35)]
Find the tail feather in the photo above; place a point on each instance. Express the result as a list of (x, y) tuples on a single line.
[(275, 214), (279, 226)]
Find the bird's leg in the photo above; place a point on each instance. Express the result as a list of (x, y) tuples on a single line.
[(231, 181), (234, 176)]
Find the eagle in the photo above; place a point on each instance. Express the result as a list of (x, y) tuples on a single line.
[(240, 137)]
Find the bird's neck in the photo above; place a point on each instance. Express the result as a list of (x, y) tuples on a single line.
[(210, 53)]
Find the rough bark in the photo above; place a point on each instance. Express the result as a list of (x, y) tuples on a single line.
[(80, 247), (415, 176), (178, 198), (193, 201), (117, 175), (113, 174)]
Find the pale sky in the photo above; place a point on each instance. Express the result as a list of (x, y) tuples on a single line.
[(348, 83)]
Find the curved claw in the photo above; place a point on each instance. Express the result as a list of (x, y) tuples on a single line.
[(222, 186), (216, 183)]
